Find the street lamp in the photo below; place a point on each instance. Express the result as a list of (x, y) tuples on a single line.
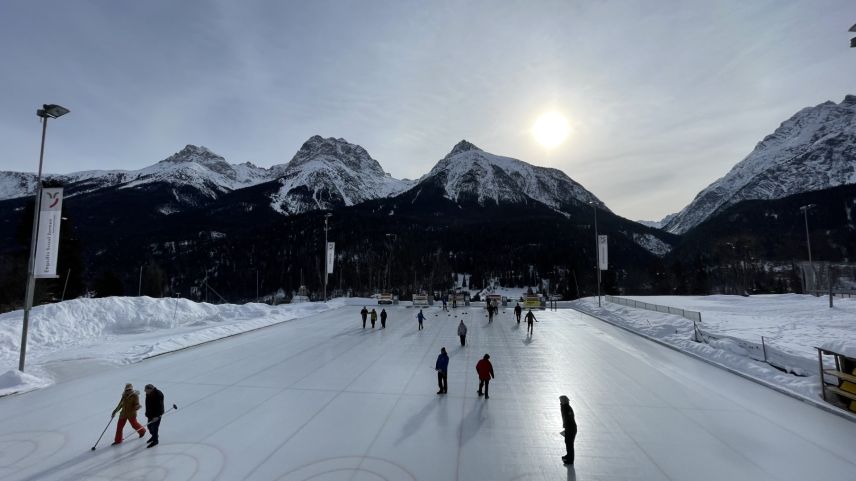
[(596, 250), (47, 111), (805, 209), (391, 238), (326, 247)]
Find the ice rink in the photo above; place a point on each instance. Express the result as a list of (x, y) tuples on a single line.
[(323, 399)]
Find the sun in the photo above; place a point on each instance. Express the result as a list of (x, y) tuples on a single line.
[(551, 129)]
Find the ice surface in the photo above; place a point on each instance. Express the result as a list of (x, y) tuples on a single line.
[(323, 399)]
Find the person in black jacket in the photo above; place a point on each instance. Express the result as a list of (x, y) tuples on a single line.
[(570, 432), (154, 411), (364, 313), (383, 318)]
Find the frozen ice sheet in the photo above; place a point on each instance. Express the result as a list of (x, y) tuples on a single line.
[(323, 399)]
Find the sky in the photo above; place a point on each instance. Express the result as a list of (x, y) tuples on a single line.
[(664, 97)]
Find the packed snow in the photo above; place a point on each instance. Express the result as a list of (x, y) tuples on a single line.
[(792, 325), (122, 330)]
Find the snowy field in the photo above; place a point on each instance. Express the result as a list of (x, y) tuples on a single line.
[(320, 398), (792, 326), (68, 338)]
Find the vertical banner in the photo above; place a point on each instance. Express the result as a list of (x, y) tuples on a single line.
[(331, 256), (47, 246), (603, 252)]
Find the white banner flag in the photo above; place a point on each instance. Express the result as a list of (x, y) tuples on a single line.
[(47, 246), (331, 256), (604, 252)]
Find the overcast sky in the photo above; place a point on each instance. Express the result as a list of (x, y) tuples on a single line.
[(664, 96)]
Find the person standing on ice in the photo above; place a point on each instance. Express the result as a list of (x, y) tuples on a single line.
[(420, 317), (383, 318), (485, 370), (517, 311), (442, 367), (364, 313), (530, 322), (462, 332), (154, 411), (490, 311), (445, 307), (127, 408), (570, 432), (374, 318)]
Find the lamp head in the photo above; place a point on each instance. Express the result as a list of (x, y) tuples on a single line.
[(51, 110)]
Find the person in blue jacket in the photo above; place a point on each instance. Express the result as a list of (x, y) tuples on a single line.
[(442, 368), (420, 317)]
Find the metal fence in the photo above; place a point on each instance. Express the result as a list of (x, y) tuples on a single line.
[(766, 350), (694, 316)]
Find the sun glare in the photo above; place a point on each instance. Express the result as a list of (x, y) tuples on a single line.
[(551, 129)]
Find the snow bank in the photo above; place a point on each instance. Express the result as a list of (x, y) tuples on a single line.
[(847, 348), (124, 330), (732, 328)]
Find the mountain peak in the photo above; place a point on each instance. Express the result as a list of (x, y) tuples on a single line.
[(463, 146), (193, 153)]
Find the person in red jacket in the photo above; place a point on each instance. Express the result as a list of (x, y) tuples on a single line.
[(485, 370)]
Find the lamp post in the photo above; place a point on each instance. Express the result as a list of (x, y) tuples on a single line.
[(804, 210), (391, 238), (47, 111), (596, 250), (326, 218)]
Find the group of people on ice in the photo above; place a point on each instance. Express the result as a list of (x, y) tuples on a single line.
[(127, 408), (373, 315)]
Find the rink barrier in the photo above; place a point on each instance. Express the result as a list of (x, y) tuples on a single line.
[(760, 351), (823, 405), (694, 316)]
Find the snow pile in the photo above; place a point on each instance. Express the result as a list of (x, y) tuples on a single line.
[(732, 326), (652, 244), (124, 330), (13, 381), (846, 348)]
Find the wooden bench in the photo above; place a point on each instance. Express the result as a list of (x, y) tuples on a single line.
[(841, 392), (840, 375)]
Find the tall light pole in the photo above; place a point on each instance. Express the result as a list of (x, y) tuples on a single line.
[(47, 111), (805, 209), (391, 238), (596, 250), (326, 218)]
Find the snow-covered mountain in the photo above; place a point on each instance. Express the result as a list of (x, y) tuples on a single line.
[(813, 150), (469, 173), (328, 173), (195, 167)]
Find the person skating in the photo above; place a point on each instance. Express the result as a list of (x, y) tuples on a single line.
[(442, 367), (485, 370), (570, 425), (374, 317), (154, 411), (530, 321), (490, 310), (383, 318), (517, 312), (127, 408), (462, 332), (420, 317), (364, 313), (445, 307)]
